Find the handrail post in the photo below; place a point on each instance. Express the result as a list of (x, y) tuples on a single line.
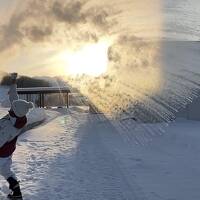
[(67, 99), (43, 100), (40, 100)]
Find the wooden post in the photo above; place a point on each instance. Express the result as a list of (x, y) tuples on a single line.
[(40, 100), (67, 99), (43, 100)]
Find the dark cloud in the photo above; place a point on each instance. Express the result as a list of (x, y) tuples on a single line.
[(73, 13), (38, 34), (99, 18), (22, 26), (70, 13)]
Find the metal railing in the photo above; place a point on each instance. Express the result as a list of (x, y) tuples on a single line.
[(42, 91)]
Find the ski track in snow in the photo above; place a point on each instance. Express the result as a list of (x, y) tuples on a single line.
[(69, 159)]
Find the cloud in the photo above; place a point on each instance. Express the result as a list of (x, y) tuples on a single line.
[(38, 34), (131, 51), (70, 13), (100, 18), (40, 20), (74, 13), (10, 33)]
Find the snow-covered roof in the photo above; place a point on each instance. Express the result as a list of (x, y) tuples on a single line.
[(37, 90)]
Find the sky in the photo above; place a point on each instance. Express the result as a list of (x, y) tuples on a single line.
[(43, 37)]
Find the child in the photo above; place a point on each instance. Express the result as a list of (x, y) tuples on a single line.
[(10, 128)]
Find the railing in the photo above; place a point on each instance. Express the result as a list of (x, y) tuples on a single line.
[(42, 91)]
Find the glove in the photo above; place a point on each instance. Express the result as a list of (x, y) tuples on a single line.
[(13, 76)]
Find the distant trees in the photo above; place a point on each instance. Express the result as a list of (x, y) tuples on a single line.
[(25, 81)]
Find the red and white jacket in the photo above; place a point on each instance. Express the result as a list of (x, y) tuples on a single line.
[(10, 129)]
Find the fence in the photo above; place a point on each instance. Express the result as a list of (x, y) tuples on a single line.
[(41, 92)]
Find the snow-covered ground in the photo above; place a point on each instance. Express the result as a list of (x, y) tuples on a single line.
[(181, 19), (74, 157)]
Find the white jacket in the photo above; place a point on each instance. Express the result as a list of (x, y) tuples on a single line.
[(13, 93), (7, 129)]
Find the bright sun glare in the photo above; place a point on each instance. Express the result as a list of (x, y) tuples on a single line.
[(91, 59)]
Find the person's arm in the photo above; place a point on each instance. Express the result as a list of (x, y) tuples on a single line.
[(13, 89)]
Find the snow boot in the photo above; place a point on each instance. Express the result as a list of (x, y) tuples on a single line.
[(15, 188)]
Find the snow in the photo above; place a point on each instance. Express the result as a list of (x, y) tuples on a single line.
[(40, 114), (75, 157), (35, 115), (168, 168), (44, 89), (181, 19)]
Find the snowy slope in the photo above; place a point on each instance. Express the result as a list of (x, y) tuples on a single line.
[(181, 19), (75, 158)]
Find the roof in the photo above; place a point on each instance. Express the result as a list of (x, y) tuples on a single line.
[(43, 90)]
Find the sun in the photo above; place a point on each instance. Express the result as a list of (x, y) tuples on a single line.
[(91, 59)]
